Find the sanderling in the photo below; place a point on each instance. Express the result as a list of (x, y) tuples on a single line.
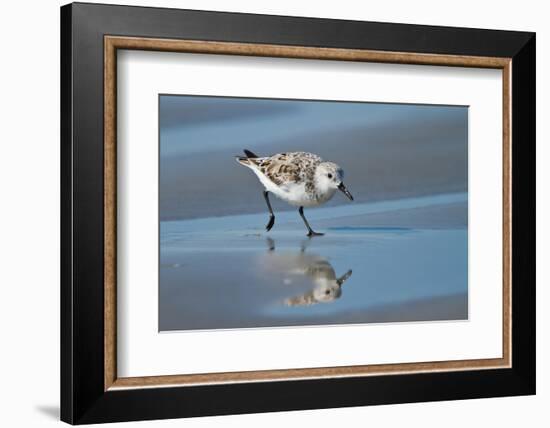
[(299, 178), (325, 286)]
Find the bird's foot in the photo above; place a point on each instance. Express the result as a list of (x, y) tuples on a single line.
[(270, 224), (312, 233)]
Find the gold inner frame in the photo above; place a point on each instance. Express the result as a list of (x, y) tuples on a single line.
[(113, 43)]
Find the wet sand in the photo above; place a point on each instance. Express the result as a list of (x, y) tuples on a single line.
[(387, 152), (397, 253), (392, 261)]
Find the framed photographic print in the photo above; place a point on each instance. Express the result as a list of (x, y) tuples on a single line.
[(265, 213)]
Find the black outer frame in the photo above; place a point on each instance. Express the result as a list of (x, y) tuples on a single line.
[(83, 399)]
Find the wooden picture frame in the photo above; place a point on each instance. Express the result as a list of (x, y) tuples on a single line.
[(91, 390)]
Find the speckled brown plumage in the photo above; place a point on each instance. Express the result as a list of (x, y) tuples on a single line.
[(301, 179), (294, 167)]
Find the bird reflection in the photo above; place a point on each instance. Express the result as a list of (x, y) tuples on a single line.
[(326, 286)]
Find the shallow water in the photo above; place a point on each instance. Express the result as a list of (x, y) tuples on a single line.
[(227, 272)]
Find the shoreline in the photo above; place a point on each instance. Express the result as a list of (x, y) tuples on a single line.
[(317, 214)]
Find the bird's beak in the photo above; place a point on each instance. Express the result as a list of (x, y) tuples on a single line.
[(345, 191), (343, 278)]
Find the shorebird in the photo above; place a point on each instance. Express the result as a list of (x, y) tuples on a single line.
[(299, 178), (300, 267), (327, 287)]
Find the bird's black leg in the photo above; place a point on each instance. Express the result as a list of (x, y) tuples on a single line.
[(310, 232), (271, 215)]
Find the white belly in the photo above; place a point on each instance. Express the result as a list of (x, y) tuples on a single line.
[(293, 193)]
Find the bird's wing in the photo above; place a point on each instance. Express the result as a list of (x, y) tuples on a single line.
[(287, 168), (303, 300), (279, 169)]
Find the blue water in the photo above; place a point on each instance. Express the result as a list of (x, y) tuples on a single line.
[(226, 272)]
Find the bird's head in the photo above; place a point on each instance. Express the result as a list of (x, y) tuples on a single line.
[(329, 288), (327, 293), (329, 176)]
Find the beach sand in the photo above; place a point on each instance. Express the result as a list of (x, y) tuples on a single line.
[(422, 154), (406, 259), (399, 250)]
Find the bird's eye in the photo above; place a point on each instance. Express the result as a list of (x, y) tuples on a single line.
[(327, 292), (329, 175)]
